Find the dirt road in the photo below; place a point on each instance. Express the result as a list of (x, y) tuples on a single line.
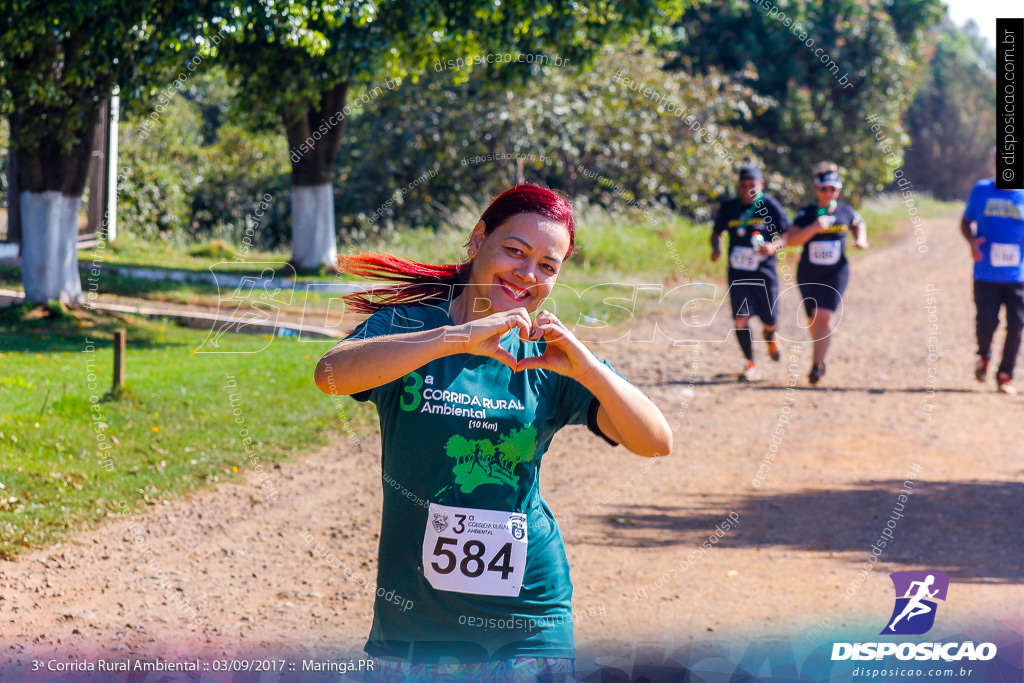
[(892, 414)]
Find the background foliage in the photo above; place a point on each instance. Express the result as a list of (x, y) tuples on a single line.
[(741, 74)]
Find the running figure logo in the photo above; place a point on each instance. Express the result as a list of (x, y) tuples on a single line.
[(914, 612)]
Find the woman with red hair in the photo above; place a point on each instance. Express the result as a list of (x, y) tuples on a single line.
[(470, 391)]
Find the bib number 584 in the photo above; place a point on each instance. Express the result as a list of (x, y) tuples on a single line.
[(477, 551), (472, 564)]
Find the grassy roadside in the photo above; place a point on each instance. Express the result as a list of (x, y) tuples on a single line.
[(174, 429), (615, 252), (178, 426)]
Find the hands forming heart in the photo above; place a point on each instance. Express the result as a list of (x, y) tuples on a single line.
[(565, 354)]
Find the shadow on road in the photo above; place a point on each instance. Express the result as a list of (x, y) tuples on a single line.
[(730, 378), (970, 530)]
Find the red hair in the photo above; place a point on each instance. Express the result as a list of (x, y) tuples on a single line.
[(413, 282)]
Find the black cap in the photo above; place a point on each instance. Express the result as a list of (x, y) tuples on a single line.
[(750, 173)]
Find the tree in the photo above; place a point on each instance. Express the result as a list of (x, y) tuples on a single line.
[(517, 447), (300, 63), (952, 120), (828, 65), (593, 133), (198, 176), (458, 447), (58, 62)]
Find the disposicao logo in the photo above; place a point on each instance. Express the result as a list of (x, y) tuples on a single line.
[(912, 615), (916, 592)]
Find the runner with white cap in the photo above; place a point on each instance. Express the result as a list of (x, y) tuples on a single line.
[(823, 272)]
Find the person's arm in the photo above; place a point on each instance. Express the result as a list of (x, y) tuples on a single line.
[(860, 232), (967, 227), (356, 365), (968, 223), (716, 246), (625, 415), (721, 224), (775, 240), (798, 236)]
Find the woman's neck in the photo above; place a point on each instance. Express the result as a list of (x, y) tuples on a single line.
[(461, 309)]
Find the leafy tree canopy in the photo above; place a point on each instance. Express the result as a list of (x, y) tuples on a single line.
[(828, 65)]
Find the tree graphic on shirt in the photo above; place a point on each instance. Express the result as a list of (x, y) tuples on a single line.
[(482, 461)]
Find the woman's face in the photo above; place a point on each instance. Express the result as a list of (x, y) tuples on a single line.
[(517, 264), (826, 194)]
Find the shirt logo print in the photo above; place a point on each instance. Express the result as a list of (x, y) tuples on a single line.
[(482, 461)]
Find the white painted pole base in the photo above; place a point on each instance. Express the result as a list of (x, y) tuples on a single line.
[(49, 247), (313, 238)]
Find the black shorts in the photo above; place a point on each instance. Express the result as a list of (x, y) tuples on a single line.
[(823, 291), (754, 297)]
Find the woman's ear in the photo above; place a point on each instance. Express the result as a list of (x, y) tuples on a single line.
[(476, 238)]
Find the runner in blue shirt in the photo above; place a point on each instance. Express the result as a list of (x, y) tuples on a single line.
[(470, 392), (993, 224), (756, 224), (823, 272)]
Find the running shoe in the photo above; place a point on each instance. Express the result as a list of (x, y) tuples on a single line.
[(1003, 385), (750, 373), (981, 369), (816, 372), (773, 346)]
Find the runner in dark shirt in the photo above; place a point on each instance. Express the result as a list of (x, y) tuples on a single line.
[(823, 272), (755, 223)]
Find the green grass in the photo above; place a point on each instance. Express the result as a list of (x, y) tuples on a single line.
[(618, 253), (173, 428), (886, 214), (128, 249)]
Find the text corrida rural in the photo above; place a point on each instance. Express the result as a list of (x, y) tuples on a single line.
[(117, 665)]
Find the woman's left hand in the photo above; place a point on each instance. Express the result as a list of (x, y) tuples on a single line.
[(565, 354)]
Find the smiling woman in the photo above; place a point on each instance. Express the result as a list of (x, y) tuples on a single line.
[(470, 392)]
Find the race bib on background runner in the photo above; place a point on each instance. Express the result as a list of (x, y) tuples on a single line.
[(744, 258), (469, 550), (825, 253), (1005, 254)]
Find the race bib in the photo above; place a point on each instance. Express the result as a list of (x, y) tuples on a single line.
[(744, 258), (1005, 254), (825, 252), (467, 550)]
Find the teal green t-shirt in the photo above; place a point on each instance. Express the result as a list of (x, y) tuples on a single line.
[(464, 431)]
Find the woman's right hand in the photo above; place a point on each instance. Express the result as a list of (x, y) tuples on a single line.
[(481, 337)]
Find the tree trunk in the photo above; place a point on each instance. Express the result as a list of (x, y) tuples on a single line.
[(51, 180), (314, 140), (313, 236), (49, 248)]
